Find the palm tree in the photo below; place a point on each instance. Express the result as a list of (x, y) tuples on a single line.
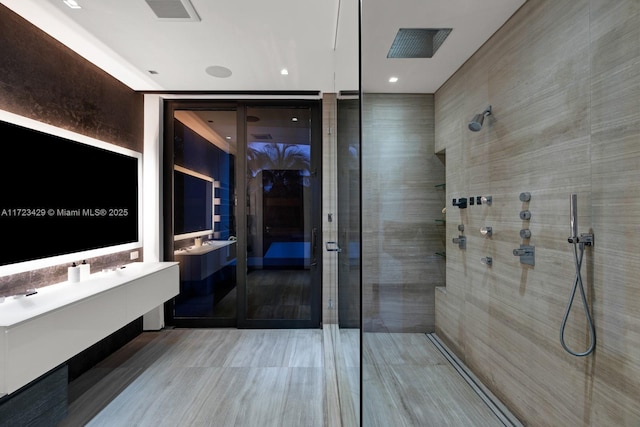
[(284, 167)]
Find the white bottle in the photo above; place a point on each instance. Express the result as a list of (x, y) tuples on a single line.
[(85, 270), (74, 273)]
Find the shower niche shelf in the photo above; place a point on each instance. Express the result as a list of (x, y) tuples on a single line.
[(442, 254), (441, 221), (440, 186)]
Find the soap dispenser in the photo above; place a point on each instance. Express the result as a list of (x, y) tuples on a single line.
[(73, 273), (85, 270)]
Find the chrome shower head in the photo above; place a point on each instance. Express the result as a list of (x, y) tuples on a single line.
[(476, 123)]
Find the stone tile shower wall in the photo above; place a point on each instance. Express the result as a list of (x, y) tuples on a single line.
[(400, 205), (563, 78), (43, 80), (329, 207)]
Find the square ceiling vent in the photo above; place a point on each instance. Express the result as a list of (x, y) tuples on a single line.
[(417, 42), (173, 10)]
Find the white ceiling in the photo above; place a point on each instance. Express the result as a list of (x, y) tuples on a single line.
[(316, 40), (472, 21)]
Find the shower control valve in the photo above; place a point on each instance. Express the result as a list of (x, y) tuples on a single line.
[(487, 200), (461, 241), (526, 254), (488, 261), (525, 196), (585, 238), (524, 215), (486, 231), (461, 202)]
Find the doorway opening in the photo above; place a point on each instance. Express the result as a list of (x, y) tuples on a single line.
[(242, 212)]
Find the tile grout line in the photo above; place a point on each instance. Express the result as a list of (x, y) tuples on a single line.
[(498, 408)]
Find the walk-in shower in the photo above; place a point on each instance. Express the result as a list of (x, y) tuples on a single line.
[(476, 123), (578, 242)]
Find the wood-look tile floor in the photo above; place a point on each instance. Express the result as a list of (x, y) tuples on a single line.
[(230, 377), (205, 377)]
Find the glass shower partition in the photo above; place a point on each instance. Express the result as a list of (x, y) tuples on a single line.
[(349, 261)]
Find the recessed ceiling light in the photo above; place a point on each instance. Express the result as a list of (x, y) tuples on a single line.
[(228, 137), (284, 72), (393, 79), (73, 4), (294, 119), (218, 71)]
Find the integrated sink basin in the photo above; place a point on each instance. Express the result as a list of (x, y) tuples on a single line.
[(42, 331), (199, 262), (206, 247)]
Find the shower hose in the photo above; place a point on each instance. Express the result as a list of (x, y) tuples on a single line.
[(577, 284)]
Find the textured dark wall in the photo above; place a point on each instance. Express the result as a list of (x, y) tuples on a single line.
[(42, 79)]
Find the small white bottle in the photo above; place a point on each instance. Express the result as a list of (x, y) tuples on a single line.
[(85, 270), (74, 273)]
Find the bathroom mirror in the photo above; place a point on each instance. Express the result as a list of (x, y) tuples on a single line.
[(70, 184), (193, 204)]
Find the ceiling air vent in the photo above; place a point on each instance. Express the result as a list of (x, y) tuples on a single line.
[(417, 42), (173, 10)]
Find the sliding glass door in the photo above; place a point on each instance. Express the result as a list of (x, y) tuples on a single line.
[(282, 213), (242, 213)]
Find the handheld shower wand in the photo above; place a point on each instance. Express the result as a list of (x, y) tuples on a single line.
[(578, 242), (573, 217)]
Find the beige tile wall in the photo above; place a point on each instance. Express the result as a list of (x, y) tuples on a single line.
[(563, 78), (329, 206), (400, 203)]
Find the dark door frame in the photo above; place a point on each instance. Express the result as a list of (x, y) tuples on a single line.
[(241, 321), (316, 218)]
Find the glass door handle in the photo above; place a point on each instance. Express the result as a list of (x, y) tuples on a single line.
[(314, 238), (314, 242), (333, 247)]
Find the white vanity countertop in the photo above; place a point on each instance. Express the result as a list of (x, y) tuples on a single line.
[(206, 247), (14, 311)]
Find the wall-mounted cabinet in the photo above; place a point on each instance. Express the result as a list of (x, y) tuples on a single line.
[(42, 331)]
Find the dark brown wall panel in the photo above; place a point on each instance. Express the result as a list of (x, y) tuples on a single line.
[(42, 79)]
